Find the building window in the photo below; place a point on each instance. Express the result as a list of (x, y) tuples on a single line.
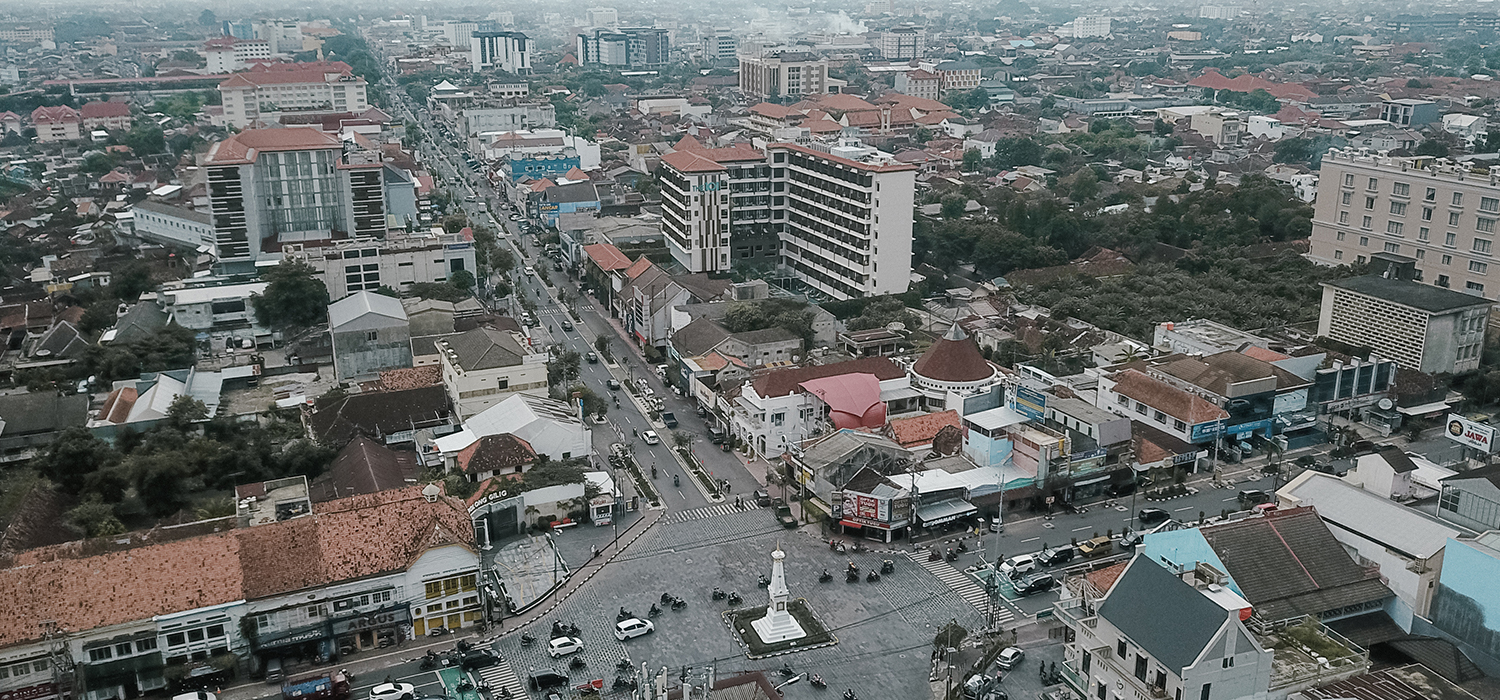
[(1452, 218), (1123, 400), (1423, 233), (1343, 219), (1374, 184), (1421, 254), (1481, 246), (1140, 408), (176, 639), (1458, 199), (1347, 197), (1449, 500), (1369, 202), (1226, 662), (1360, 259), (1401, 189), (1393, 227), (1447, 259), (1364, 223), (144, 645), (1160, 417), (1120, 648), (1345, 216), (1485, 225), (1392, 248), (1207, 691), (1364, 240), (1489, 204), (1398, 208), (1348, 179), (1427, 213), (1442, 280), (1431, 195), (100, 654), (123, 649), (372, 336), (1338, 255), (1474, 287), (1450, 239), (1178, 425)]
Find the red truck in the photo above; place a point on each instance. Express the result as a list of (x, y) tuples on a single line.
[(328, 686)]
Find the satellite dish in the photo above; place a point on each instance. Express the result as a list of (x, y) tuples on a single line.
[(1386, 404), (895, 326)]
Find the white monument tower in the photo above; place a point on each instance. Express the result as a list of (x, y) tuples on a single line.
[(778, 625)]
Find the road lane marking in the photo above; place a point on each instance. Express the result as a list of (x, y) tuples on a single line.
[(1179, 510), (1033, 539), (1081, 529)]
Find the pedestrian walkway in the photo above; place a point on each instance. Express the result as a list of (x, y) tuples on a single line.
[(964, 586), (705, 512), (500, 676)]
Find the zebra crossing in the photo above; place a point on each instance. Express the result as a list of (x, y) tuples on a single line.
[(964, 585), (683, 516), (501, 675)]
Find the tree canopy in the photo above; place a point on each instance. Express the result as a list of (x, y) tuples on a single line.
[(294, 296)]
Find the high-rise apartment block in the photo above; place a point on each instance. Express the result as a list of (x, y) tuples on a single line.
[(634, 47), (903, 43), (270, 187), (1091, 26), (507, 51), (602, 17), (784, 74), (268, 90), (1440, 213), (839, 221), (227, 54), (722, 45)]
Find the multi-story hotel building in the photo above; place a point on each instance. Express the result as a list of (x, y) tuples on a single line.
[(269, 90), (1440, 213), (269, 187), (507, 51), (838, 221), (784, 74)]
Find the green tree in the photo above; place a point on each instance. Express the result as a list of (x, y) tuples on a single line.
[(207, 18), (99, 316), (184, 411), (953, 206), (593, 404), (563, 368), (441, 291), (462, 280), (294, 297), (1433, 147), (1085, 185), (601, 345), (73, 457), (95, 518), (1298, 150), (972, 159)]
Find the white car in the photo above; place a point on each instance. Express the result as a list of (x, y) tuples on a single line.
[(650, 437), (1018, 566), (393, 691), (562, 646), (530, 271), (600, 419), (1010, 657), (633, 627)]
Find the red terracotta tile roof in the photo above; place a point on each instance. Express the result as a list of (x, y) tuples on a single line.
[(288, 73), (920, 430), (691, 162), (607, 256), (688, 143), (244, 146), (1264, 354), (101, 110), (773, 111), (87, 591), (782, 382), (502, 454), (1213, 79), (54, 115), (639, 267), (841, 102), (1166, 398), (347, 539), (1104, 579)]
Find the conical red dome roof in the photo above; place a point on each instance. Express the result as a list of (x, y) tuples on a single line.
[(954, 358)]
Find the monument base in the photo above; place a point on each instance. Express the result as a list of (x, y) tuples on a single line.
[(778, 627)]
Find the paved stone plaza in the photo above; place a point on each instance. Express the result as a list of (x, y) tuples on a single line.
[(884, 629)]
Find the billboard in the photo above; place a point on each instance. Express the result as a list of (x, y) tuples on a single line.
[(1466, 432), (858, 505), (1030, 403)]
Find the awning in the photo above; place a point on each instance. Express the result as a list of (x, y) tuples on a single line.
[(1094, 480), (850, 523), (944, 511), (1424, 409), (904, 392)]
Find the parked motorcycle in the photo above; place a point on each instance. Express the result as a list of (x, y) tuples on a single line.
[(735, 599), (825, 577), (654, 611), (624, 683), (623, 666), (577, 663), (666, 597), (430, 661), (623, 615), (679, 604), (719, 594), (527, 640)]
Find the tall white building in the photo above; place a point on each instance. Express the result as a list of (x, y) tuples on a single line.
[(283, 37), (227, 54), (1218, 11), (1091, 26), (459, 33), (840, 221), (271, 187), (723, 45), (602, 17), (903, 43), (268, 90), (507, 51), (783, 74)]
